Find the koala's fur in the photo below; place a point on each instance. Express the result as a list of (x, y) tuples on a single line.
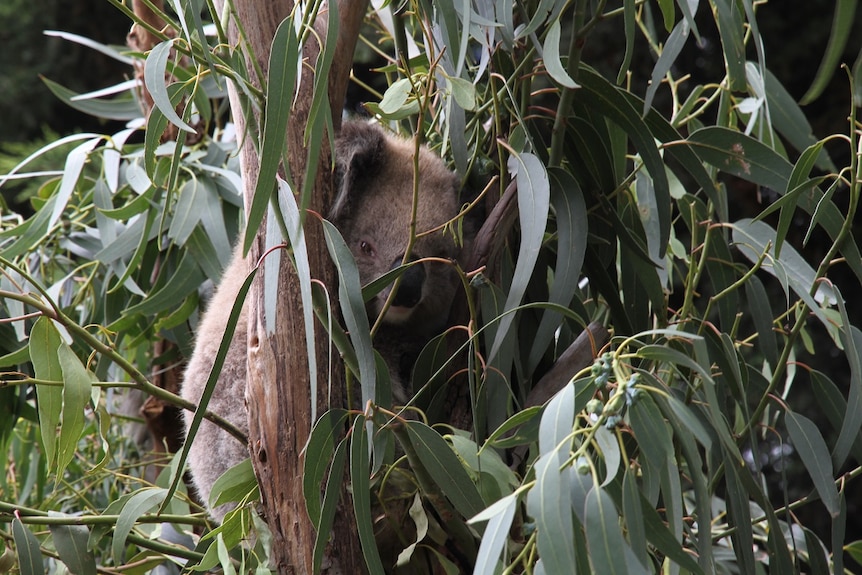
[(374, 180)]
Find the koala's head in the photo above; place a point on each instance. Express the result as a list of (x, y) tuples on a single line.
[(372, 210)]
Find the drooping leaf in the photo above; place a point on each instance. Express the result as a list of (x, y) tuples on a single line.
[(549, 503), (141, 502), (557, 420), (353, 310), (499, 517), (604, 536), (731, 28), (533, 207), (669, 54), (318, 451), (851, 422), (71, 544), (445, 469), (234, 485), (815, 455), (572, 230), (359, 471), (120, 109), (552, 57), (44, 343), (329, 506), (154, 77), (842, 24), (283, 67), (27, 547), (76, 395)]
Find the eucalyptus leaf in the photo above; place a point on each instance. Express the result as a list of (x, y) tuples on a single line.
[(815, 455), (533, 207)]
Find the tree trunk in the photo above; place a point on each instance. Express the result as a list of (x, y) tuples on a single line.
[(278, 394)]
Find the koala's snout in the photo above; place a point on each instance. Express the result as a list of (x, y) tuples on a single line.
[(410, 291)]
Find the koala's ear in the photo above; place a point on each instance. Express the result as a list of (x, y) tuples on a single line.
[(359, 154)]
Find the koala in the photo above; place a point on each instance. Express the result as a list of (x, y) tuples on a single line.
[(374, 178)]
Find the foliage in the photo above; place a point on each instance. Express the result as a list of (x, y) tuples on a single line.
[(632, 212)]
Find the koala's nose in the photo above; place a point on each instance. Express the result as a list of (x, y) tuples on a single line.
[(410, 291)]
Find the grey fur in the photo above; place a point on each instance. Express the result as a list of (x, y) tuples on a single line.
[(372, 210)]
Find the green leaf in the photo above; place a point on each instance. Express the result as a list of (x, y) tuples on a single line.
[(184, 281), (851, 339), (731, 30), (396, 96), (557, 421), (293, 220), (283, 64), (361, 488), (155, 71), (89, 43), (604, 536), (549, 503), (739, 515), (186, 212), (672, 48), (71, 173), (610, 449), (71, 544), (157, 122), (839, 529), (752, 238), (668, 13), (534, 200), (463, 91), (621, 108), (499, 517), (570, 212), (331, 497), (120, 109), (44, 342), (790, 121), (77, 384), (651, 430), (763, 318), (658, 534), (141, 502), (353, 309), (551, 53), (634, 517), (318, 451), (842, 24), (30, 561), (518, 419), (743, 156), (234, 485), (816, 556), (438, 459), (629, 23)]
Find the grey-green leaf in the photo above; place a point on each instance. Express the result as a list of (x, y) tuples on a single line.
[(154, 78), (551, 52), (604, 536), (71, 544), (815, 455), (30, 560), (141, 502), (76, 394), (445, 469), (549, 503), (534, 200)]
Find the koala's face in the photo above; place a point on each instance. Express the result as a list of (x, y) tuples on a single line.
[(373, 211)]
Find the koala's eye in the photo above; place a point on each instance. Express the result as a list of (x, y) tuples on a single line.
[(367, 249)]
